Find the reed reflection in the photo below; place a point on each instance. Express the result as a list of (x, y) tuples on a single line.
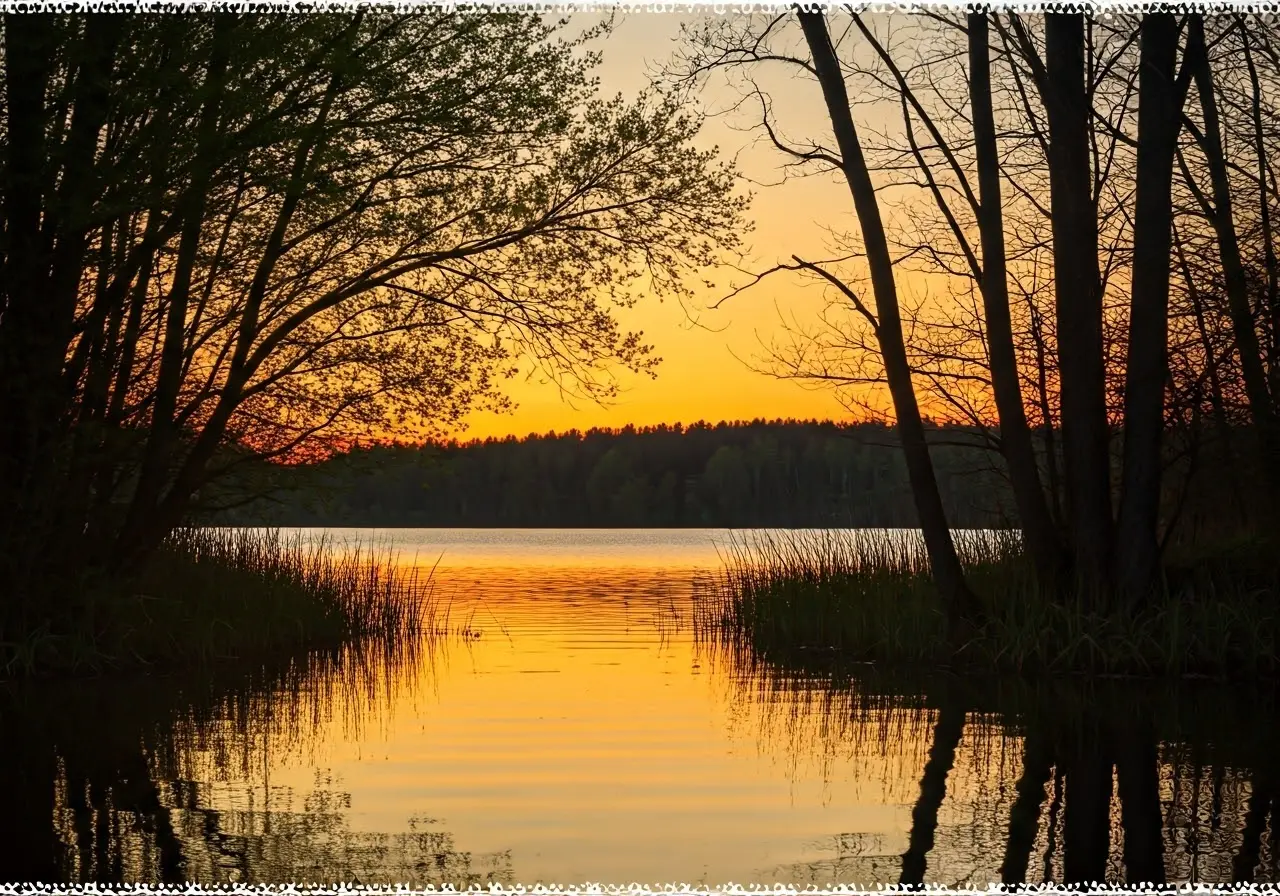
[(590, 734), (1025, 783), (167, 779)]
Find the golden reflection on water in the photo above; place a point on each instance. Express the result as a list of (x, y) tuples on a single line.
[(583, 736)]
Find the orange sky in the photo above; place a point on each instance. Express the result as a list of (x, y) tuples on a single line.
[(705, 372)]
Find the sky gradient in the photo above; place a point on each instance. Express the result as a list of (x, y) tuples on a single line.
[(706, 372)]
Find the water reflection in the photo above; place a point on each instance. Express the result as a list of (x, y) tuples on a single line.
[(1068, 782), (168, 779), (590, 735)]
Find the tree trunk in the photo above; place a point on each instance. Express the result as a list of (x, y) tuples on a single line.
[(1078, 289), (1220, 421), (959, 602), (164, 430), (29, 47), (44, 259), (1266, 180), (1038, 529), (1258, 393), (30, 41), (1160, 99)]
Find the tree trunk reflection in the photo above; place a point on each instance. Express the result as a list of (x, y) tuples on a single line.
[(933, 788)]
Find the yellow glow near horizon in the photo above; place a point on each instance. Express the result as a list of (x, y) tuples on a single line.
[(706, 372)]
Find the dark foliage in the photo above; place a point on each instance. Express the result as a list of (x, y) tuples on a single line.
[(759, 473)]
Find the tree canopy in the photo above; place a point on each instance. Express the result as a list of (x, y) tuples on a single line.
[(237, 236)]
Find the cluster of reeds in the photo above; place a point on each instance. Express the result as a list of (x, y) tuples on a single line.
[(211, 594), (866, 595)]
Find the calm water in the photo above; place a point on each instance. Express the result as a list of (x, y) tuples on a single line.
[(587, 735)]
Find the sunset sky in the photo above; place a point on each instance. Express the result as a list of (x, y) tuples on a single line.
[(705, 372)]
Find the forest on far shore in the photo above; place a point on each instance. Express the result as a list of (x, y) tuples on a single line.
[(770, 473), (784, 473)]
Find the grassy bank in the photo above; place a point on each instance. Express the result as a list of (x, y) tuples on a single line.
[(866, 596), (214, 594)]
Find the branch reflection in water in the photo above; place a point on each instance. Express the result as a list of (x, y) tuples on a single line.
[(168, 779), (594, 733), (1022, 781)]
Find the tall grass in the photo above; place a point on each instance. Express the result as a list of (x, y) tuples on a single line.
[(866, 595), (211, 594)]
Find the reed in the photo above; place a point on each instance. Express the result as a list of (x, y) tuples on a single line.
[(794, 597), (212, 594)]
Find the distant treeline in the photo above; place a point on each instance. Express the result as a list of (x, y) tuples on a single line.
[(762, 473)]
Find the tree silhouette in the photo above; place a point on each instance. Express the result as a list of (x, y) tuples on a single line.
[(262, 237)]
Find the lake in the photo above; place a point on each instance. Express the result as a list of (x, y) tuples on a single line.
[(581, 730)]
